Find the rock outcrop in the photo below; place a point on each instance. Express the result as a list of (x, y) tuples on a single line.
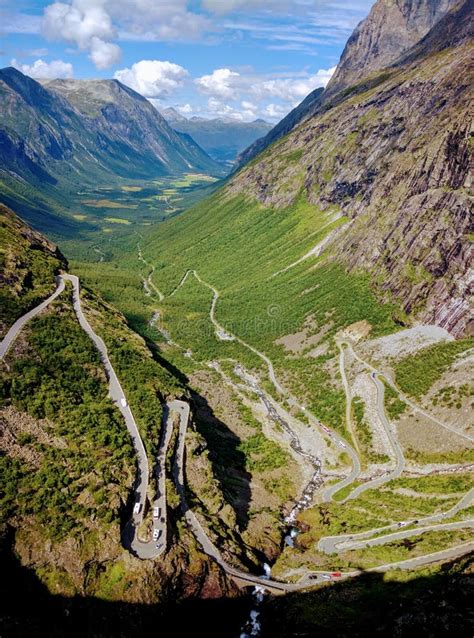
[(395, 158), (391, 28)]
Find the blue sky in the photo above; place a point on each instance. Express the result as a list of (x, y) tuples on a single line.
[(236, 58)]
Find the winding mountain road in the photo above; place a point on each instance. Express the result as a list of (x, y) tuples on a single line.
[(20, 323), (331, 544), (182, 408), (405, 533), (406, 399), (152, 549), (348, 393), (115, 389), (148, 283), (117, 394), (225, 335), (396, 447)]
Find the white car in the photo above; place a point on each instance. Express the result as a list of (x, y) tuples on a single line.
[(156, 512), (136, 508), (123, 402), (403, 523), (156, 534)]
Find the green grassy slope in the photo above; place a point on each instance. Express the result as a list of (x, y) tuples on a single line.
[(28, 265), (238, 246)]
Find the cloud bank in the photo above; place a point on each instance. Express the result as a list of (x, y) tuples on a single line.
[(45, 70)]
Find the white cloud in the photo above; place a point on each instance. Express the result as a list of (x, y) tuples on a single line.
[(227, 6), (252, 94), (81, 22), (153, 78), (275, 111), (220, 83), (158, 20), (290, 89), (220, 109), (45, 70), (185, 109), (289, 7), (104, 54), (85, 23)]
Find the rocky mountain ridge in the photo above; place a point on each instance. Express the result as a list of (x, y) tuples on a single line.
[(389, 31), (391, 28), (395, 161), (128, 119), (59, 137)]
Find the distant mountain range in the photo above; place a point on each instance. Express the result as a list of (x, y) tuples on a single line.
[(390, 29), (59, 136), (222, 138)]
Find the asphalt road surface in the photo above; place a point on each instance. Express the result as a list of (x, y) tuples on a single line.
[(331, 544), (406, 399), (396, 447), (340, 443), (20, 323), (182, 408)]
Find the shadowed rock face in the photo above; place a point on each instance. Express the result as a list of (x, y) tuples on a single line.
[(392, 27)]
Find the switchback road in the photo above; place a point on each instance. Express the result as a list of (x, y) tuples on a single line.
[(331, 544), (19, 324), (146, 549), (408, 401)]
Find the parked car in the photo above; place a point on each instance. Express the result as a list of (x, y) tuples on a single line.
[(156, 534), (137, 508), (156, 512)]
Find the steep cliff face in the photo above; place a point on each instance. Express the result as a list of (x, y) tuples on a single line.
[(126, 121), (392, 27), (390, 30), (395, 161)]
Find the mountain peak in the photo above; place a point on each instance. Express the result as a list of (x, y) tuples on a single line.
[(31, 91), (391, 28), (172, 115), (89, 96)]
